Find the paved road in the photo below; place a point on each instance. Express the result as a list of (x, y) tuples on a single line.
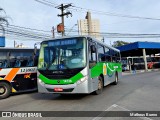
[(140, 92)]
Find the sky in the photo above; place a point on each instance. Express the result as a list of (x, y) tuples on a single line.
[(32, 14)]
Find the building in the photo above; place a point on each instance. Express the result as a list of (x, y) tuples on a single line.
[(2, 41), (141, 49), (95, 28)]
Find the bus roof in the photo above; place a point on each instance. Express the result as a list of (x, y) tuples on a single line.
[(10, 48), (7, 49), (94, 39)]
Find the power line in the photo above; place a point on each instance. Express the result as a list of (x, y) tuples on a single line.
[(50, 2), (30, 33), (124, 35), (46, 3), (114, 14), (25, 33), (28, 28), (80, 9)]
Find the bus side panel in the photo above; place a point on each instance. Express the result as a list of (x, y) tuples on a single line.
[(20, 81), (94, 73), (23, 82), (108, 71)]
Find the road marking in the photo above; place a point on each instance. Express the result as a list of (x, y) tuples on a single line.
[(100, 116)]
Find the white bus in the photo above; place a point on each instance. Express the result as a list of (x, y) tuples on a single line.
[(78, 64), (152, 62)]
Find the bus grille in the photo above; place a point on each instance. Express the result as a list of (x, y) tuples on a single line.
[(65, 74), (60, 76)]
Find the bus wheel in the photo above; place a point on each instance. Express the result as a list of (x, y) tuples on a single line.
[(100, 86), (5, 90), (116, 79)]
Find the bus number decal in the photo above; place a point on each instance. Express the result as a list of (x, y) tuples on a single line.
[(23, 70), (28, 70), (115, 67)]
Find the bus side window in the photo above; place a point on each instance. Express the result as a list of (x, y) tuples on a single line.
[(92, 54), (115, 56), (36, 61), (4, 64), (30, 62), (107, 55), (24, 62), (17, 63), (101, 56), (36, 58), (118, 57)]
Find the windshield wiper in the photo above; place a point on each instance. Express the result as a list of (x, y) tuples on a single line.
[(47, 68)]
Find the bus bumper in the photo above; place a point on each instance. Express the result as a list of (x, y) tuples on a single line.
[(66, 89)]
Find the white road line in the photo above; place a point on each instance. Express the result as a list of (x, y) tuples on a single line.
[(100, 116)]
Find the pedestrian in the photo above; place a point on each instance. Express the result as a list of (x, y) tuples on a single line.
[(133, 68)]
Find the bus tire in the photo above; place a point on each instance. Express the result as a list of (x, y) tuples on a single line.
[(100, 86), (116, 79), (5, 90)]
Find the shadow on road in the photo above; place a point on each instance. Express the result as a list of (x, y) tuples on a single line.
[(49, 96), (24, 92)]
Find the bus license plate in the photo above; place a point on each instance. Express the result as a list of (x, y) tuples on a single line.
[(58, 89)]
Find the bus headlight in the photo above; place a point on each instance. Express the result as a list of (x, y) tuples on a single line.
[(41, 82), (82, 79)]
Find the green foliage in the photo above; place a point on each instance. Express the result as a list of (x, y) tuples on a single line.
[(119, 43)]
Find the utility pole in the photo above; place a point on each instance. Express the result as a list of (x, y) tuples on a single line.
[(103, 40), (53, 32), (14, 43), (62, 8)]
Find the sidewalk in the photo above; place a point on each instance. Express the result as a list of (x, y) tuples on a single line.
[(138, 71)]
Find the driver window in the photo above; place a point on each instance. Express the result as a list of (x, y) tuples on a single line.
[(92, 55)]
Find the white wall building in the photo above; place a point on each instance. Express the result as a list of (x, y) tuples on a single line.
[(95, 28)]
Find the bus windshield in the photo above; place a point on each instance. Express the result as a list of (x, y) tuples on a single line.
[(60, 54)]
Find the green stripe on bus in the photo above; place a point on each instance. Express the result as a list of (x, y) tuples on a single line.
[(111, 69), (71, 80), (95, 72)]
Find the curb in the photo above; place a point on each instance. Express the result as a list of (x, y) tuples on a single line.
[(139, 71)]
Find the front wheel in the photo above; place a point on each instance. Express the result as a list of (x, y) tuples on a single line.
[(100, 86), (116, 79), (5, 90)]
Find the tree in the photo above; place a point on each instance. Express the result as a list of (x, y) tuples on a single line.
[(119, 43), (3, 21)]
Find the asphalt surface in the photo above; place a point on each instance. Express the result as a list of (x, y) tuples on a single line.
[(135, 92)]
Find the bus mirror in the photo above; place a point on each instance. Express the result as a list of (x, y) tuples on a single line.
[(93, 49)]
